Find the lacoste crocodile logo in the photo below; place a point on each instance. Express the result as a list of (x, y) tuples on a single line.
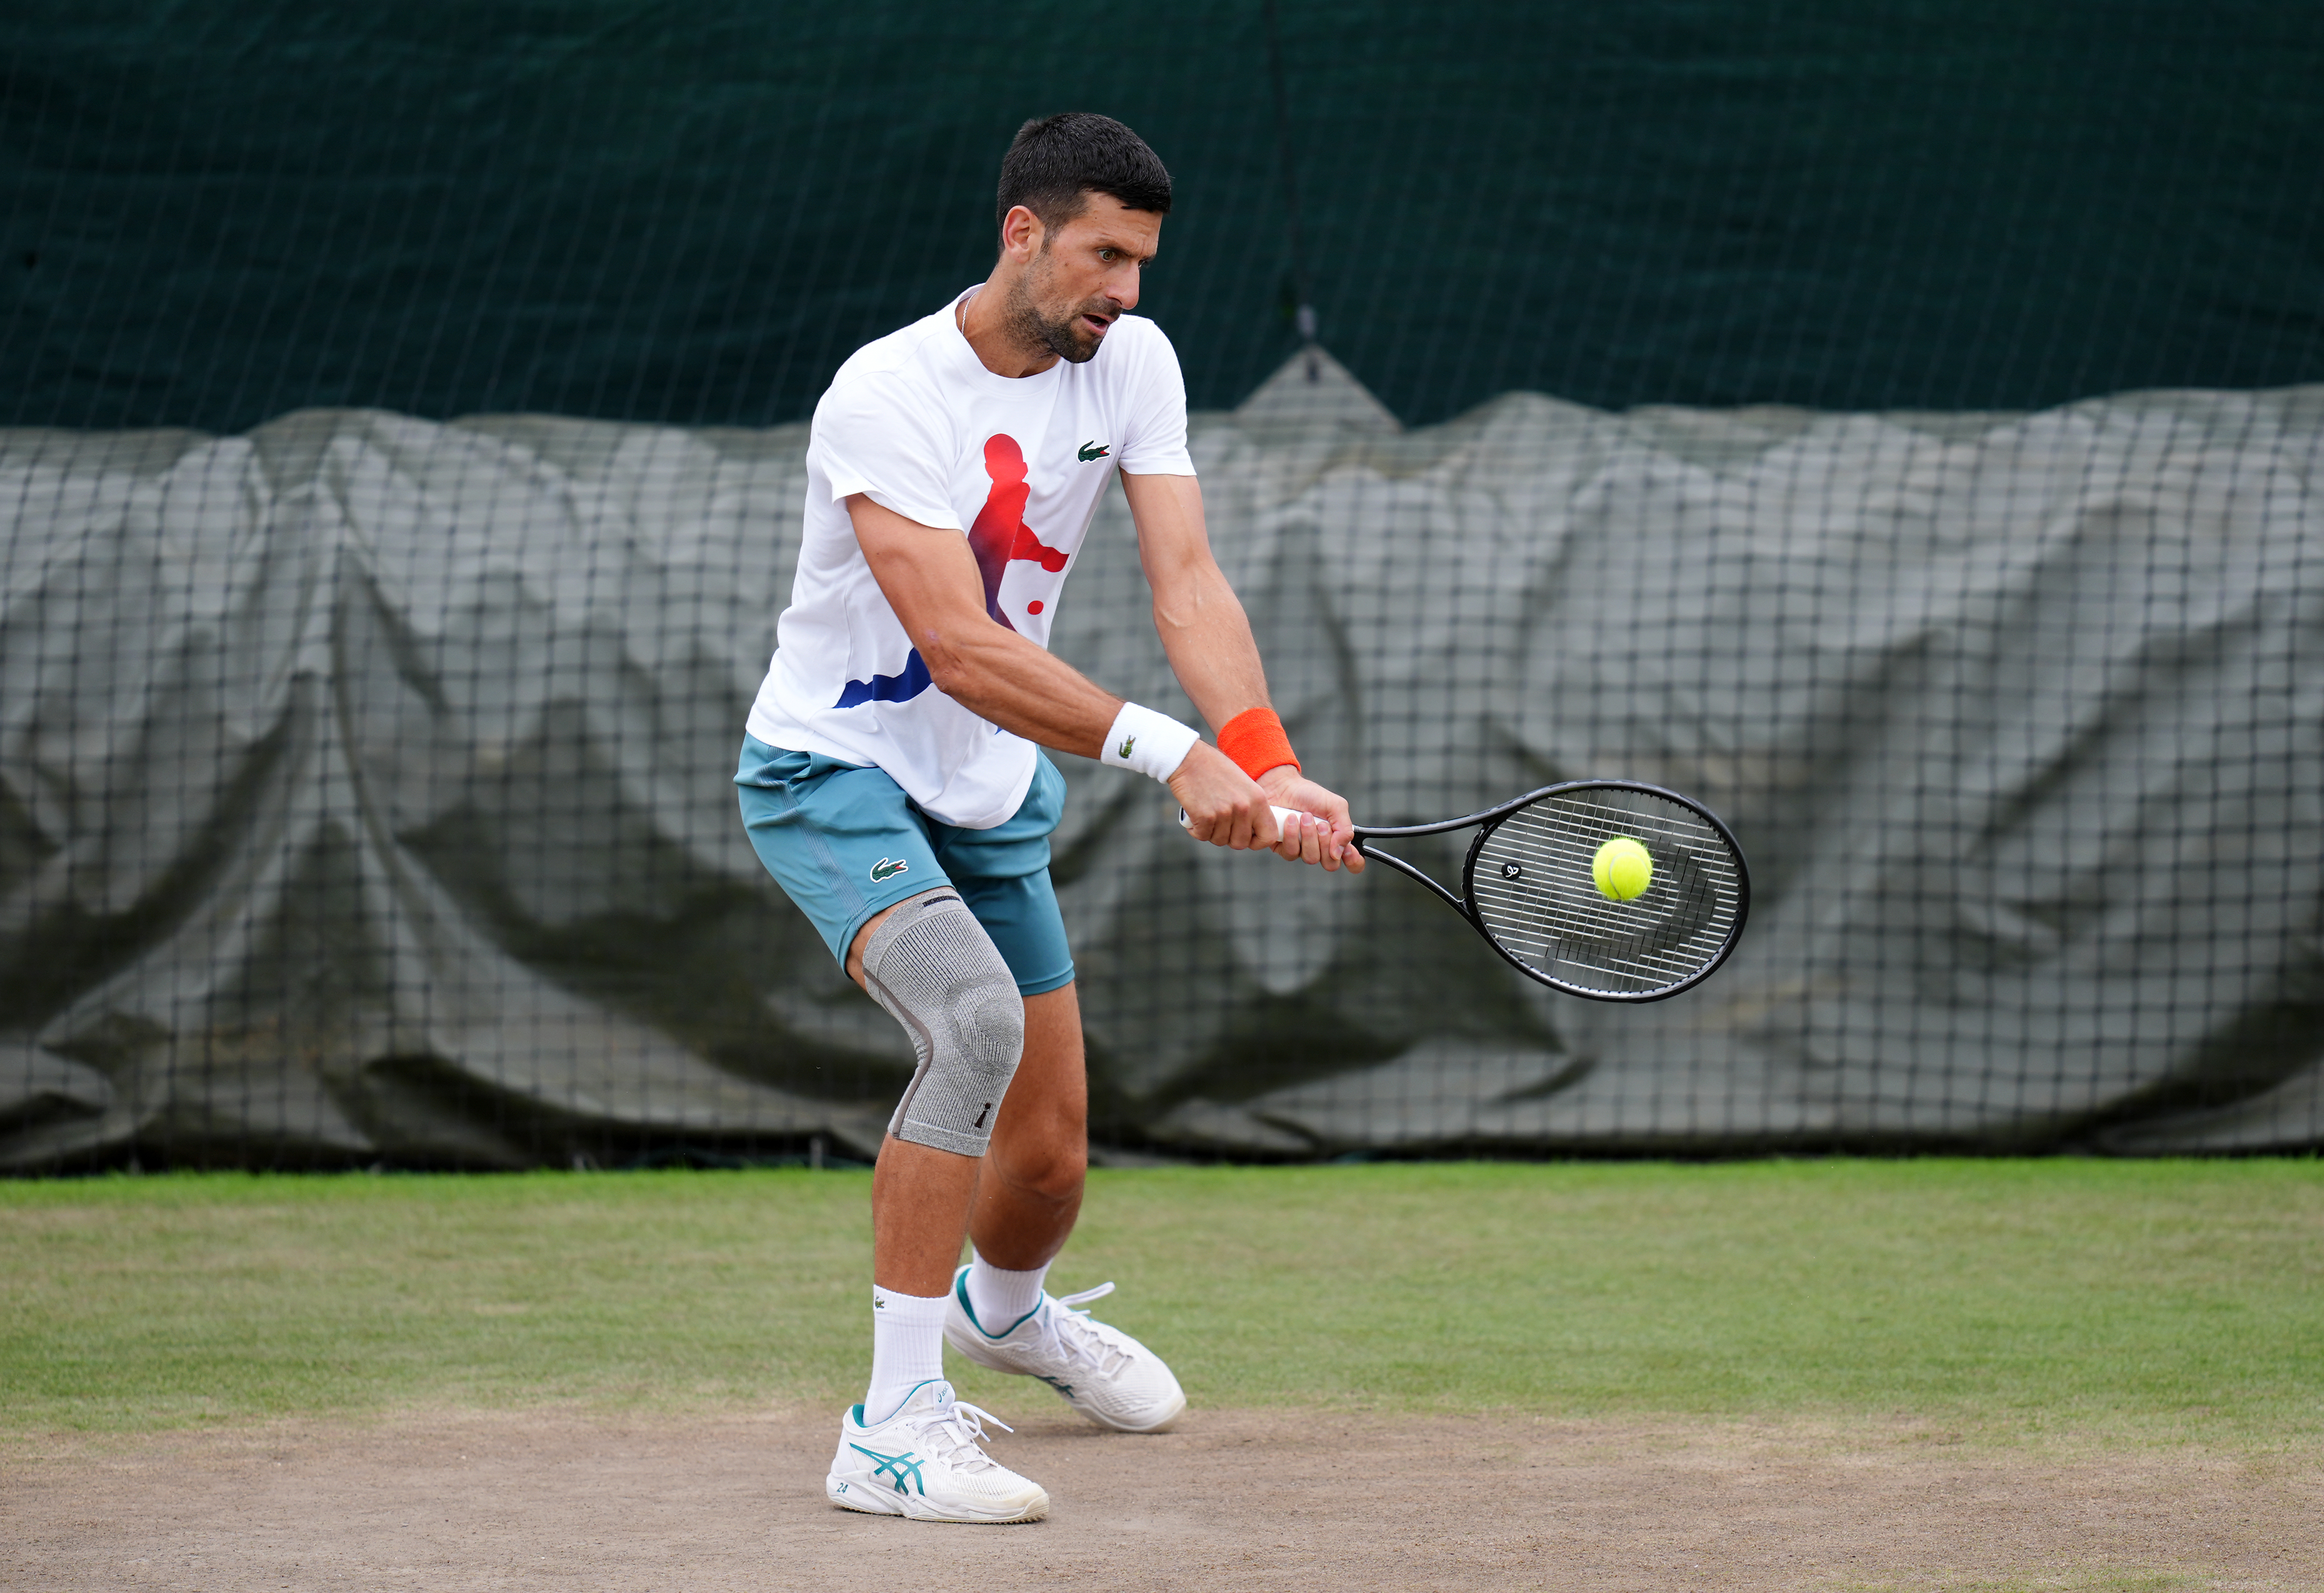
[(1090, 451), (887, 867), (1123, 751)]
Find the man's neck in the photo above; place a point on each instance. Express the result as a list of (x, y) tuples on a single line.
[(980, 319)]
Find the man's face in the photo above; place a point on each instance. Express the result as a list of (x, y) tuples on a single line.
[(1081, 275)]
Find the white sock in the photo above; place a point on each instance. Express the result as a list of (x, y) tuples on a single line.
[(906, 1349), (1001, 1298)]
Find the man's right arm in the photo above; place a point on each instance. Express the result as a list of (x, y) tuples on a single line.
[(930, 580)]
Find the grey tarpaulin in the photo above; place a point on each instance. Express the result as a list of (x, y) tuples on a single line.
[(363, 786)]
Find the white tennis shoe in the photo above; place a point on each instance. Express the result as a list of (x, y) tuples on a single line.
[(1100, 1371), (924, 1463)]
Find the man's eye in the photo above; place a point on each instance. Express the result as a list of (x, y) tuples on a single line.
[(1107, 255)]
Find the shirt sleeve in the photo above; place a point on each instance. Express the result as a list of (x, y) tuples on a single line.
[(1156, 442), (869, 437)]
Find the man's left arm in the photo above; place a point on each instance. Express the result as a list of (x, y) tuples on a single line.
[(1208, 641)]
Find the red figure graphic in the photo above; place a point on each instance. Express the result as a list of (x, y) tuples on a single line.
[(1000, 534)]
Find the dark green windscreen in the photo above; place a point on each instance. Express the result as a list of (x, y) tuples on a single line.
[(212, 214)]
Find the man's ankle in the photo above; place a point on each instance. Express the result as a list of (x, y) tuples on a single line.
[(1000, 1298)]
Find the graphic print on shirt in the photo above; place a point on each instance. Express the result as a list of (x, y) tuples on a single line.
[(889, 689), (997, 537)]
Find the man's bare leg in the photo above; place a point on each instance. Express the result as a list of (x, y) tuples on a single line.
[(1029, 1190), (1026, 1192), (920, 1200), (920, 1213)]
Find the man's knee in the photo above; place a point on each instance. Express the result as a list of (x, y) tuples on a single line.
[(933, 967)]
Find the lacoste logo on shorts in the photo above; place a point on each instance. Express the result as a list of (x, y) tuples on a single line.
[(1089, 451), (887, 867)]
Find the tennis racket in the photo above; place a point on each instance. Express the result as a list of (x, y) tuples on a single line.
[(1529, 886)]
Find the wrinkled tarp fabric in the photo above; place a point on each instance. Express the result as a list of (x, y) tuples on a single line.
[(363, 787)]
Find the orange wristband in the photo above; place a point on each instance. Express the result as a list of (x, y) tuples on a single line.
[(1254, 739)]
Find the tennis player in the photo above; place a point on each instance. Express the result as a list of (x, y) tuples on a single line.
[(893, 783)]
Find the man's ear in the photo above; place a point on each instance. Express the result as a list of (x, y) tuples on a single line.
[(1021, 234)]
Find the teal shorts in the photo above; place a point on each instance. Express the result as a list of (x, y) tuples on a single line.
[(845, 843)]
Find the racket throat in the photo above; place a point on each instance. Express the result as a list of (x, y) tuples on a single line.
[(1372, 852)]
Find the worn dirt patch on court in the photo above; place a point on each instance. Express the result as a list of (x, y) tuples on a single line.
[(1237, 1499)]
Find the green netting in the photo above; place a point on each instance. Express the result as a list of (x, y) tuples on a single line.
[(218, 214)]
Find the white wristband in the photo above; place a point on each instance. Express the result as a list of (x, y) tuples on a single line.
[(1151, 744)]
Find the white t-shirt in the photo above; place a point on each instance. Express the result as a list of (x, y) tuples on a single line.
[(916, 421)]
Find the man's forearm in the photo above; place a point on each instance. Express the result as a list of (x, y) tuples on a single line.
[(1006, 680), (1207, 636), (931, 581), (1204, 632)]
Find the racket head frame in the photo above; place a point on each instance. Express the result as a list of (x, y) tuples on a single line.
[(1489, 820)]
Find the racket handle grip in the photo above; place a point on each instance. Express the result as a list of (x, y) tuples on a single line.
[(1283, 817)]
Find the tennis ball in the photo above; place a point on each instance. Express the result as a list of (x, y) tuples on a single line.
[(1622, 869)]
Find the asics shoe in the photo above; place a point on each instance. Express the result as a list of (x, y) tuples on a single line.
[(1100, 1371), (924, 1463)]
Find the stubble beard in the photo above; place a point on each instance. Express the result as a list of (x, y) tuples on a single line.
[(1065, 337)]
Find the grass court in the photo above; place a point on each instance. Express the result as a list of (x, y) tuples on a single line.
[(2000, 1303)]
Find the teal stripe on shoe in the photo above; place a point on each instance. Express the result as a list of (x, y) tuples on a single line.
[(959, 1288)]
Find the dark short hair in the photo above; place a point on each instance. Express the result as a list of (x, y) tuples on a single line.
[(1054, 160)]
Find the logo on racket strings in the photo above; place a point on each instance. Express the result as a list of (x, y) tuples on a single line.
[(887, 867), (1512, 872)]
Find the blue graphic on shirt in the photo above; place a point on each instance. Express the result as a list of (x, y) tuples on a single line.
[(889, 689)]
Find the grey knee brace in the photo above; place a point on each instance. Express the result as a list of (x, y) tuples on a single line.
[(933, 968)]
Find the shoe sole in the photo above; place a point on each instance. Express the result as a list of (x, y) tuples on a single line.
[(1032, 1513), (1164, 1424), (1161, 1425)]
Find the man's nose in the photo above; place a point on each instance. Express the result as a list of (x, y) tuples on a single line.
[(1121, 288)]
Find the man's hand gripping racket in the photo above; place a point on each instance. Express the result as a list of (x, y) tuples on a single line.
[(1605, 888)]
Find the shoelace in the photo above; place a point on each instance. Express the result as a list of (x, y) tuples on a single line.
[(1084, 1339), (954, 1432)]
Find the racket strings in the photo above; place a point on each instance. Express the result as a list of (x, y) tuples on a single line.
[(1535, 889)]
